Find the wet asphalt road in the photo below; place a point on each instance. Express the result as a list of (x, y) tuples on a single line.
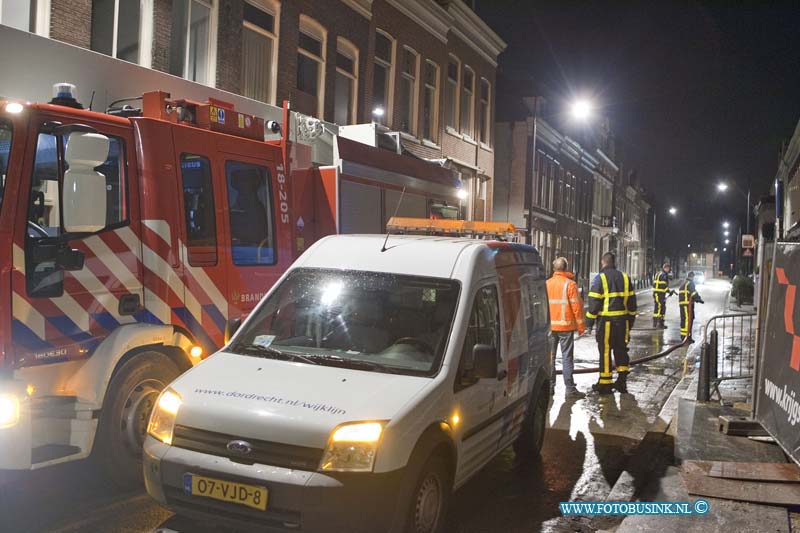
[(585, 451)]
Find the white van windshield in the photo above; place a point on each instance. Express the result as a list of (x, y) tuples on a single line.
[(363, 320)]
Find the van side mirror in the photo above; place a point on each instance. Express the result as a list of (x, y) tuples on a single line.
[(231, 327), (84, 196), (484, 361)]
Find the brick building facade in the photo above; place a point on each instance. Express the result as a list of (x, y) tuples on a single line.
[(547, 176), (424, 68)]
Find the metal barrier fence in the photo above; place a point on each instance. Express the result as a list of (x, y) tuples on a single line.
[(728, 352)]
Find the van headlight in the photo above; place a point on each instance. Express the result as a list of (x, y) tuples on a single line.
[(162, 420), (9, 410), (352, 447)]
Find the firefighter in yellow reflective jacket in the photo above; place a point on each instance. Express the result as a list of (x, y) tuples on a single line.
[(612, 304), (660, 292), (687, 296)]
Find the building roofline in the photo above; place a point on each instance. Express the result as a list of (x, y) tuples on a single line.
[(362, 7), (607, 159), (471, 29), (428, 14)]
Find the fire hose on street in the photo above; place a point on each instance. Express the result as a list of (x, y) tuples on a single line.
[(666, 351)]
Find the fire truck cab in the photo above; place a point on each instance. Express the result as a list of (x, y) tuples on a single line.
[(128, 241)]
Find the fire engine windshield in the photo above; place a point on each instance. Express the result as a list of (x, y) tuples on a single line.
[(5, 150), (363, 320)]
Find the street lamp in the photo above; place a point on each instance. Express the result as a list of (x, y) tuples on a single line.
[(727, 233), (722, 187), (726, 224), (581, 109), (727, 241), (673, 211)]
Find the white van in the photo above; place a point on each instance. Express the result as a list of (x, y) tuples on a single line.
[(366, 386)]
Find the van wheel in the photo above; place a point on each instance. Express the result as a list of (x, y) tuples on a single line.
[(528, 445), (431, 497), (129, 400)]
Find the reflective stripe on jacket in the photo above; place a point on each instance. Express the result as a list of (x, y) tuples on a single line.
[(687, 293), (566, 307), (661, 282), (611, 296)]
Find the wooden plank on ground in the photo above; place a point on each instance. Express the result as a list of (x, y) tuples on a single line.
[(744, 491), (755, 471)]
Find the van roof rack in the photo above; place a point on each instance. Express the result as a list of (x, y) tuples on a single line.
[(452, 227)]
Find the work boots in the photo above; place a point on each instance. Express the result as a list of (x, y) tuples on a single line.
[(655, 322), (622, 382), (661, 324), (603, 388)]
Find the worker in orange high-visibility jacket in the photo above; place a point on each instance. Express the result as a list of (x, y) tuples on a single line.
[(566, 317)]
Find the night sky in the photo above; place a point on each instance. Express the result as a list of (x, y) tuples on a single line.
[(696, 91)]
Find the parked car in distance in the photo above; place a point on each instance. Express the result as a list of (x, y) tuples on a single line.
[(699, 277), (370, 382)]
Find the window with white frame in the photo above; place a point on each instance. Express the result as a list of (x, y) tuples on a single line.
[(382, 76), (430, 102), (467, 100), (484, 112), (259, 50), (451, 94), (407, 102), (346, 87), (121, 29), (311, 61), (19, 14), (192, 53)]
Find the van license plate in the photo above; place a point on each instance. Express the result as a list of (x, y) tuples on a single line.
[(226, 491)]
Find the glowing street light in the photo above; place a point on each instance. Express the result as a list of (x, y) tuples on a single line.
[(722, 186), (726, 224), (462, 194), (378, 112), (715, 249), (724, 249), (727, 241), (727, 233), (581, 110), (673, 211), (688, 245)]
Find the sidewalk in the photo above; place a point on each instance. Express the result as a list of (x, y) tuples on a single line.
[(695, 435), (692, 433)]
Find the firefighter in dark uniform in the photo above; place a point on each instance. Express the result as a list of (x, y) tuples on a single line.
[(612, 304), (687, 296), (660, 292)]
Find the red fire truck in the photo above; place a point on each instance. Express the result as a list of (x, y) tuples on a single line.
[(128, 240)]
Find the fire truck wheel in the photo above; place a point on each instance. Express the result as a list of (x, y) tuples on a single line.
[(528, 445), (130, 398)]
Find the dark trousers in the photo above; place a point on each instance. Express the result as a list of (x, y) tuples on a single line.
[(613, 335), (687, 319), (660, 304)]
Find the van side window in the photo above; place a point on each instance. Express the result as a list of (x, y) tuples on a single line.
[(483, 328), (198, 210), (536, 292), (250, 207)]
